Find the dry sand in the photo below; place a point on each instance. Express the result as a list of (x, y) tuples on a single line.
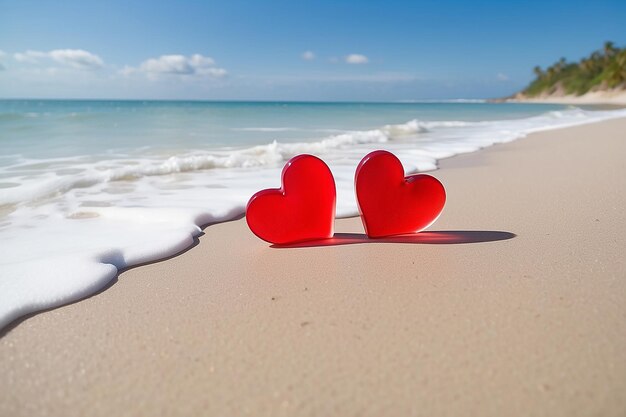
[(467, 320), (611, 97)]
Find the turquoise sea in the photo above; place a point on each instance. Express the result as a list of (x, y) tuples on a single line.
[(89, 187), (63, 128)]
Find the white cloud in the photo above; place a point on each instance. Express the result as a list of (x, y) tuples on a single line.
[(356, 59), (308, 55), (30, 57), (194, 65), (168, 64), (74, 58), (2, 53), (502, 77)]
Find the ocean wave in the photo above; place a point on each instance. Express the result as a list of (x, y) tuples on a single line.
[(571, 112), (128, 169), (111, 212), (85, 172)]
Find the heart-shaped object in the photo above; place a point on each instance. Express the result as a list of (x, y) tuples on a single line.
[(302, 209), (392, 204)]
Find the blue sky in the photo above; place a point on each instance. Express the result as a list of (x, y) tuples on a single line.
[(290, 50)]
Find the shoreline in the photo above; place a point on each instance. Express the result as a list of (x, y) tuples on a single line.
[(613, 98), (72, 278), (512, 303)]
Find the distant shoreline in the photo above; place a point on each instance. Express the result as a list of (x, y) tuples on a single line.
[(617, 98)]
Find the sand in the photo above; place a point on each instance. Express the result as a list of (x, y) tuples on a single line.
[(611, 97), (513, 305)]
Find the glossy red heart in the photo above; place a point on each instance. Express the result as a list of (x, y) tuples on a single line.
[(302, 209), (392, 204)]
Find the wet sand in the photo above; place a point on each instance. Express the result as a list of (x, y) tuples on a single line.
[(512, 304)]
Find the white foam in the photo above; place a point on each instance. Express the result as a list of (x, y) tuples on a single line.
[(72, 223)]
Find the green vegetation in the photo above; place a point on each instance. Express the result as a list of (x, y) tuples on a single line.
[(602, 70)]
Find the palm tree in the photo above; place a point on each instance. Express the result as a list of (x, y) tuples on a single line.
[(558, 67), (596, 56), (602, 69), (585, 65), (616, 71), (609, 48)]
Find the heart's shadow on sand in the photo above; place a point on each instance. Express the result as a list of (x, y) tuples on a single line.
[(442, 237)]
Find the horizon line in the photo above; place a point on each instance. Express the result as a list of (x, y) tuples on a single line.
[(404, 101)]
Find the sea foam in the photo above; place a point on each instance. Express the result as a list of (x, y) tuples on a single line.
[(69, 224)]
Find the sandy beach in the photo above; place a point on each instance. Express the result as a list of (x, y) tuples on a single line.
[(615, 98), (512, 304)]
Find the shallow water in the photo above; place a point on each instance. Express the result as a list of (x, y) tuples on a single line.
[(88, 187)]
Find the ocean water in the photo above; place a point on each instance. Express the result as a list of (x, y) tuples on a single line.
[(90, 187)]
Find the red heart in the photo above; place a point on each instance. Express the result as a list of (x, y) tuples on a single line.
[(302, 209), (391, 204)]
